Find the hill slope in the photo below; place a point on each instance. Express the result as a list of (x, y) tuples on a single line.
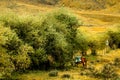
[(92, 18), (80, 4)]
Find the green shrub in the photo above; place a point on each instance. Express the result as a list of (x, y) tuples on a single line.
[(114, 39), (39, 59), (66, 19), (85, 72), (6, 65), (117, 62), (22, 60), (97, 43), (53, 73), (81, 42), (15, 49), (107, 73), (66, 76), (52, 34)]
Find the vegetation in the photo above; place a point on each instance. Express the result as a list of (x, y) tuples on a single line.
[(40, 44), (30, 41), (114, 39), (117, 62), (53, 73), (108, 72)]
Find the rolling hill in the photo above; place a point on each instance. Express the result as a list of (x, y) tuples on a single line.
[(80, 4), (97, 16), (102, 15)]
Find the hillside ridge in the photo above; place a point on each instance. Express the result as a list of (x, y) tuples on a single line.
[(80, 4)]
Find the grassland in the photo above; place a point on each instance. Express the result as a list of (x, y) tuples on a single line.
[(75, 72), (95, 22)]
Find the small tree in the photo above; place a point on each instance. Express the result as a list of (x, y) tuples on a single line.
[(81, 42), (114, 39), (117, 62), (97, 43), (93, 46)]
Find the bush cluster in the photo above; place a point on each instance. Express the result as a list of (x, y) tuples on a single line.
[(107, 73), (117, 62), (43, 41), (36, 42), (114, 39), (53, 73)]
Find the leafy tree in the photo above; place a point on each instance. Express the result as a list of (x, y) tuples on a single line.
[(97, 42), (6, 65), (81, 42), (93, 46), (15, 49), (117, 62), (50, 35), (60, 37), (39, 59), (114, 39)]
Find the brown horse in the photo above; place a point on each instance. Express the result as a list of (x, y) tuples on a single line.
[(82, 60)]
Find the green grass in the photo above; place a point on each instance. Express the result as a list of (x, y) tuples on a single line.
[(91, 58), (44, 75), (38, 75)]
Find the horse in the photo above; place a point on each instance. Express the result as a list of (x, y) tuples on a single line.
[(84, 62), (79, 60)]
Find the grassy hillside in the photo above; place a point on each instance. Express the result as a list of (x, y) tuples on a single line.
[(80, 4), (97, 17), (114, 9)]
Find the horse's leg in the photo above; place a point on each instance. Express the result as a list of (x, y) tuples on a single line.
[(76, 64), (86, 63), (83, 64)]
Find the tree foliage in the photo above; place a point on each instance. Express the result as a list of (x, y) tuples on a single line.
[(31, 40), (81, 42), (114, 39), (6, 65)]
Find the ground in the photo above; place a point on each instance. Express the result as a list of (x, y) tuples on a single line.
[(75, 72)]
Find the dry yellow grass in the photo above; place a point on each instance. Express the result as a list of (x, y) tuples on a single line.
[(75, 73), (93, 29)]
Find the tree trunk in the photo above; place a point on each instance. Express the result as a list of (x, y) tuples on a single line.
[(93, 52), (84, 53)]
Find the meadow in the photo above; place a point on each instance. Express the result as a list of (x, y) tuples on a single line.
[(39, 41)]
